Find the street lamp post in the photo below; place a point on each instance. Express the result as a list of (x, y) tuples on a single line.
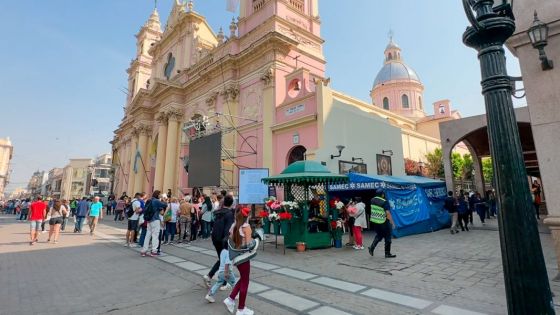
[(526, 280)]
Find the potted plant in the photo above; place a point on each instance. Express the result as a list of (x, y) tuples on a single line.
[(266, 222), (284, 218)]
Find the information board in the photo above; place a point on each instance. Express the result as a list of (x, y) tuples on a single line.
[(251, 188)]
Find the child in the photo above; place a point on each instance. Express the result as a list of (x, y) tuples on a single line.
[(225, 273)]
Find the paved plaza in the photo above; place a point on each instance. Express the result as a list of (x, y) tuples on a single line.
[(435, 273)]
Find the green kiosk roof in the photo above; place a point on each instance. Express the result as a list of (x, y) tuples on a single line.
[(306, 172)]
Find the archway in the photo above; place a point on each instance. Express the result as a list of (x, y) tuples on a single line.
[(297, 153)]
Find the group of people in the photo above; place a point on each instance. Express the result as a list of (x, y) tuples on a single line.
[(160, 218), (462, 206)]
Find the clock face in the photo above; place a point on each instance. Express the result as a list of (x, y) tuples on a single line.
[(168, 69)]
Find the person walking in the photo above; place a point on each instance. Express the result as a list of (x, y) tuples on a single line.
[(38, 211), (95, 214), (81, 212), (223, 221), (65, 214), (225, 274), (152, 217), (480, 207), (24, 212), (171, 221), (133, 219), (463, 210), (185, 214), (206, 211), (240, 236), (359, 222), (450, 204), (56, 214), (119, 208), (73, 207), (382, 223), (109, 207)]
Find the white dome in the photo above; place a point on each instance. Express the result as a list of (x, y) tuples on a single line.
[(395, 70)]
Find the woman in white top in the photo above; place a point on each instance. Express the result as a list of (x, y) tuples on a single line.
[(240, 235), (171, 221), (359, 222), (56, 214)]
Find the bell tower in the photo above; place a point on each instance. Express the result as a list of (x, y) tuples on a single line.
[(303, 14), (141, 67)]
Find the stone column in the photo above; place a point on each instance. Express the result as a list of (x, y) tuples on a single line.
[(131, 175), (171, 151), (477, 165), (161, 148), (146, 183), (140, 177), (478, 174), (269, 108), (447, 167)]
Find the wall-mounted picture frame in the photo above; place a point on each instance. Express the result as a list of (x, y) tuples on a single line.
[(384, 166), (345, 167)]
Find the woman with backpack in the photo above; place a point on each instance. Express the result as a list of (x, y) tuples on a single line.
[(206, 211), (240, 238)]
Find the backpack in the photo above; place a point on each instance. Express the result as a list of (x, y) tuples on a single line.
[(129, 210), (149, 212)]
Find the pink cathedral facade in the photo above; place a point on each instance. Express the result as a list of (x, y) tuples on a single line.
[(263, 86)]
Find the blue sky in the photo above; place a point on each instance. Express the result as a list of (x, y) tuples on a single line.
[(63, 64)]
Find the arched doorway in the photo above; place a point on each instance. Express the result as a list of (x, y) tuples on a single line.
[(297, 153)]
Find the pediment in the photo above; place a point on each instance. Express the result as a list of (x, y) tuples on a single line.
[(177, 11)]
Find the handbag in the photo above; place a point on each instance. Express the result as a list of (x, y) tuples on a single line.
[(167, 216), (243, 254)]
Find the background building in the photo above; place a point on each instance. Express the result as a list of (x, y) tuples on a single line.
[(6, 152), (54, 183), (100, 175), (75, 178), (35, 186)]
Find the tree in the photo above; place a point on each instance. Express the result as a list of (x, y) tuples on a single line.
[(488, 170), (457, 165), (435, 163), (468, 167)]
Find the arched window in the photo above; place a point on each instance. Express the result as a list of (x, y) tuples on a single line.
[(297, 153), (420, 103), (390, 57), (405, 101), (386, 103)]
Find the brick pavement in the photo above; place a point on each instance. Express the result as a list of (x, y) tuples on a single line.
[(461, 271)]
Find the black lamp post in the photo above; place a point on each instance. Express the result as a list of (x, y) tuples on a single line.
[(526, 279)]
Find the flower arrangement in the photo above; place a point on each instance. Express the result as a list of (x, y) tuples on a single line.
[(272, 204), (273, 216), (263, 214), (339, 205), (289, 205), (284, 216)]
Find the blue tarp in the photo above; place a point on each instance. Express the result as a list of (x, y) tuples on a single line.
[(416, 202)]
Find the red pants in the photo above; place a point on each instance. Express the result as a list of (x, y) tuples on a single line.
[(358, 235), (242, 285)]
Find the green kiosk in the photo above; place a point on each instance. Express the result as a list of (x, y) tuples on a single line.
[(306, 182)]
